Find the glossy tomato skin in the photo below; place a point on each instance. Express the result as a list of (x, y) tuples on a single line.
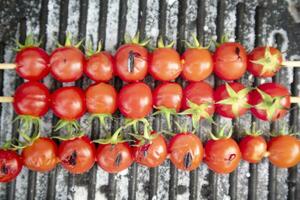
[(41, 155), (31, 98), (10, 165), (139, 54), (273, 89), (221, 93), (114, 158), (258, 53), (77, 155), (66, 64), (153, 153), (199, 93), (222, 156), (230, 61), (32, 63), (186, 151), (253, 148), (197, 64), (100, 67), (68, 103), (101, 98), (284, 151), (168, 95), (135, 100), (165, 64)]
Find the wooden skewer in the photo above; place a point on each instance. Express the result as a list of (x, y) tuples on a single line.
[(295, 100), (291, 63), (6, 99)]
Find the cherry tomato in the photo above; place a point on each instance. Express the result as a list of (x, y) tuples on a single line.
[(230, 61), (186, 151), (284, 151), (101, 98), (41, 155), (99, 67), (153, 153), (32, 63), (271, 102), (68, 103), (32, 98), (165, 64), (77, 155), (232, 103), (66, 64), (135, 100), (222, 156), (253, 148), (168, 95), (264, 61), (10, 165), (131, 62), (197, 64), (114, 158)]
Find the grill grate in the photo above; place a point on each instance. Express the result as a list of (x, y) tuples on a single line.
[(251, 22)]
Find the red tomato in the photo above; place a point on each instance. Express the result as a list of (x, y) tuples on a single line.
[(77, 155), (99, 67), (114, 158), (67, 64), (135, 100), (232, 103), (253, 148), (68, 103), (153, 153), (131, 62), (10, 165), (284, 151), (168, 95), (264, 61), (32, 98), (41, 155), (197, 64), (165, 64), (186, 151), (222, 156), (32, 63), (230, 61), (101, 98), (275, 103)]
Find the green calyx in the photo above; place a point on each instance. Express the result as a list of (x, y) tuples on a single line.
[(197, 112), (101, 117), (236, 100), (115, 138), (221, 134), (196, 44), (135, 39), (72, 128), (161, 43), (284, 130), (269, 62), (89, 48), (135, 122), (69, 42), (29, 123), (253, 131), (166, 112), (146, 138), (270, 104), (224, 39), (30, 41)]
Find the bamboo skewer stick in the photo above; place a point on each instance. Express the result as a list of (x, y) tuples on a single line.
[(292, 63), (6, 99), (295, 100), (8, 66)]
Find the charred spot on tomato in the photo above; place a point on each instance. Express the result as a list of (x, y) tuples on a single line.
[(131, 57), (231, 158), (118, 160), (187, 160), (4, 169), (72, 159), (237, 52), (65, 60)]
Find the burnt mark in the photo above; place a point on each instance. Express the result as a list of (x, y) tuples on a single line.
[(4, 169), (237, 52), (132, 55), (118, 160), (72, 159), (187, 160)]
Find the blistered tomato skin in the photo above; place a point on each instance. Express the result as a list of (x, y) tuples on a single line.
[(186, 151), (31, 98), (100, 67), (32, 63), (114, 158), (222, 156), (77, 155), (230, 61), (41, 155), (253, 148), (131, 62), (66, 64), (10, 165), (197, 64)]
